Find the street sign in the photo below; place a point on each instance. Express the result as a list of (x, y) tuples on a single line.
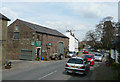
[(32, 43), (49, 44), (38, 44)]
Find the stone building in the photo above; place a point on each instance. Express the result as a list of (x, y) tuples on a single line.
[(3, 37), (27, 41)]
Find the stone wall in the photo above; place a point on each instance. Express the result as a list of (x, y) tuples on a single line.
[(14, 46), (3, 40), (55, 41), (28, 35)]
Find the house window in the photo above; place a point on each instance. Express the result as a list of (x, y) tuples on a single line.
[(16, 27), (38, 36), (16, 35)]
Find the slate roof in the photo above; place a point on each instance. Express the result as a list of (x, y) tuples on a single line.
[(42, 29), (4, 17)]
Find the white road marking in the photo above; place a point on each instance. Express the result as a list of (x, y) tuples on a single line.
[(47, 75)]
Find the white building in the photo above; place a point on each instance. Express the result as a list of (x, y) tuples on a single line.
[(114, 55), (114, 52), (73, 41), (119, 11)]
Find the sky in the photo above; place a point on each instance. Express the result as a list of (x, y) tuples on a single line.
[(79, 17)]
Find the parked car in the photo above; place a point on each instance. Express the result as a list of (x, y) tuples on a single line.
[(77, 65), (70, 54), (85, 51), (90, 58), (102, 54), (98, 57)]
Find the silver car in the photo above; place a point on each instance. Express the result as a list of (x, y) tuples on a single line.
[(98, 57), (77, 65)]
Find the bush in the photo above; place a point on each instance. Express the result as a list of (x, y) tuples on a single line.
[(37, 58), (45, 58)]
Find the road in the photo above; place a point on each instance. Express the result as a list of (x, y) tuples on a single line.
[(53, 70)]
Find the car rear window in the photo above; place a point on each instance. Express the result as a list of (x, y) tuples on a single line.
[(76, 61), (88, 56), (97, 55)]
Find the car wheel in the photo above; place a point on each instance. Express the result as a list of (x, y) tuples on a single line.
[(85, 73)]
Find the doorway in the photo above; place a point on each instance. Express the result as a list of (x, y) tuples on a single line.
[(38, 50), (60, 48)]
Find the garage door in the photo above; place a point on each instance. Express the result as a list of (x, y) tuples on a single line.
[(27, 54)]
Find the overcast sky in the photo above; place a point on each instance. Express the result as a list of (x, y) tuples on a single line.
[(76, 16)]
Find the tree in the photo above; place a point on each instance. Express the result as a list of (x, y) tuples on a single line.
[(91, 38), (106, 31)]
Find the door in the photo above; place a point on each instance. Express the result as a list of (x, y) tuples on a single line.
[(38, 50), (60, 48)]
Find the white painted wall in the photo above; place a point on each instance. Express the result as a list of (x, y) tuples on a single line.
[(116, 52), (119, 11), (112, 54), (73, 43)]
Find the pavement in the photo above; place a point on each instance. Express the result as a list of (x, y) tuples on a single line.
[(106, 72)]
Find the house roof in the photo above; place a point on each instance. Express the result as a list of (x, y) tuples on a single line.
[(42, 29), (4, 17)]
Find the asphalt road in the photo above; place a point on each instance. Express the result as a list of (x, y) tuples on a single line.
[(53, 70)]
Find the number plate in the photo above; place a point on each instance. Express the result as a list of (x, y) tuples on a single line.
[(74, 67)]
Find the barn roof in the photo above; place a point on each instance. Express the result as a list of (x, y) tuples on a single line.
[(42, 29)]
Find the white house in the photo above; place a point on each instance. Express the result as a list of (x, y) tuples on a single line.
[(114, 55), (73, 41), (119, 11), (114, 52)]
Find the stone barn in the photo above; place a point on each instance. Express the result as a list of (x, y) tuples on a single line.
[(28, 41)]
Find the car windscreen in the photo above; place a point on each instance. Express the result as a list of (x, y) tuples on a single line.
[(75, 61), (97, 54), (88, 56), (70, 52)]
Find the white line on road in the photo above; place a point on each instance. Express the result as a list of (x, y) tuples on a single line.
[(47, 75)]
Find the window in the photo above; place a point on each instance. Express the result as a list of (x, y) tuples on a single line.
[(16, 27), (16, 35), (38, 36), (88, 56), (75, 61)]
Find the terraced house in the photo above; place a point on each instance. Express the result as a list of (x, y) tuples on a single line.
[(28, 41)]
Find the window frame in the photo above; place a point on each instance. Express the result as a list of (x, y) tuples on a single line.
[(14, 36)]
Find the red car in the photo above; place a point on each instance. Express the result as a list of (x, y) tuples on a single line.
[(90, 57), (85, 51)]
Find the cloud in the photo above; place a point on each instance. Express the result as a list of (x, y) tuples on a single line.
[(88, 10), (9, 13), (78, 17), (93, 10)]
